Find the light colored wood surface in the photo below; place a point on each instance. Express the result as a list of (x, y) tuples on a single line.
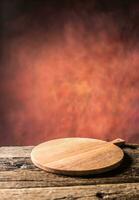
[(20, 179), (110, 191), (77, 156)]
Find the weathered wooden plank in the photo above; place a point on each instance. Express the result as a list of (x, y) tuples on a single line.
[(15, 151), (7, 164), (95, 192), (25, 180), (24, 151), (19, 172)]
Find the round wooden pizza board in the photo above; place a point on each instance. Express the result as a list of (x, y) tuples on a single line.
[(77, 156)]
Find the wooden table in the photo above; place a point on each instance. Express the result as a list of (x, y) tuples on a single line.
[(20, 179)]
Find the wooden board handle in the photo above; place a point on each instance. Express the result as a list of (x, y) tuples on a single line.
[(119, 142)]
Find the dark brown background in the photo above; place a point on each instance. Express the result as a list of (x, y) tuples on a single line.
[(69, 68)]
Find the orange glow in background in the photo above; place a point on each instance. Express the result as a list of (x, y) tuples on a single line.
[(79, 81)]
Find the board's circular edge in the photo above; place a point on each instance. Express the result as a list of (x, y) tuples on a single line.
[(79, 173)]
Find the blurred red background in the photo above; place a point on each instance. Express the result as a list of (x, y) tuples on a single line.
[(69, 68)]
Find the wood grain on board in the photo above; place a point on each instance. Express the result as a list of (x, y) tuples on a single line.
[(77, 156)]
